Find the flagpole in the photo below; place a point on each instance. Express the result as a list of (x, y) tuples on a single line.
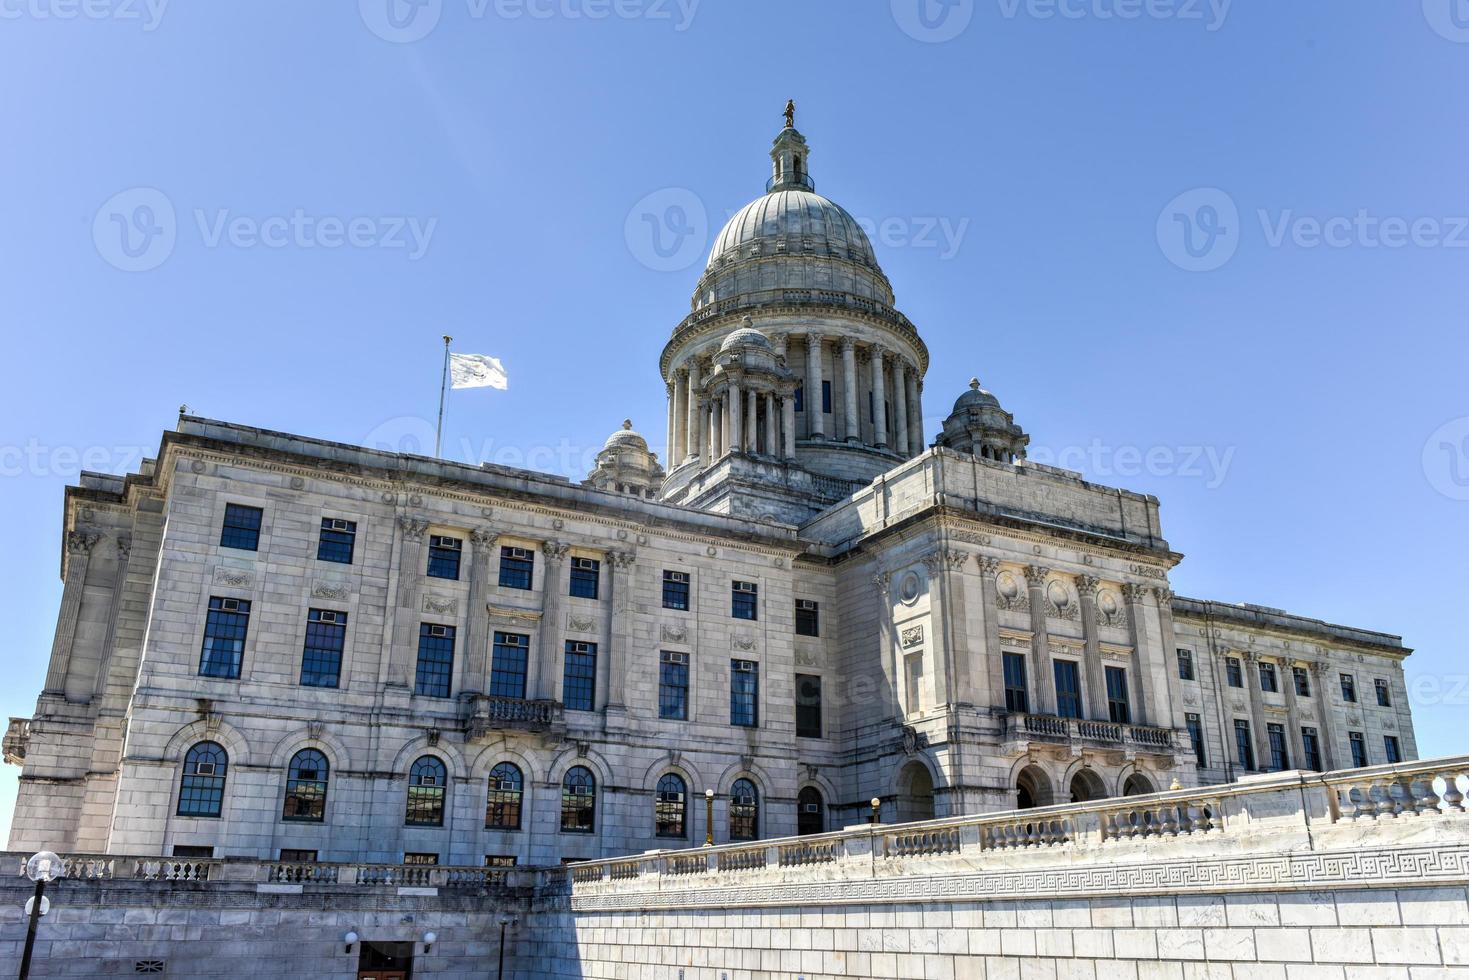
[(443, 387)]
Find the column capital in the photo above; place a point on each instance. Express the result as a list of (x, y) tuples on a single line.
[(622, 560), (1164, 595), (1133, 592), (1036, 575), (555, 551), (81, 540), (413, 527), (484, 537), (988, 565), (883, 581), (848, 344), (1087, 586)]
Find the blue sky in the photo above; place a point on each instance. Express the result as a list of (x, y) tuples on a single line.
[(1214, 252)]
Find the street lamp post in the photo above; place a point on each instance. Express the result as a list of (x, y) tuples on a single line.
[(505, 920), (876, 810), (708, 818), (41, 868)]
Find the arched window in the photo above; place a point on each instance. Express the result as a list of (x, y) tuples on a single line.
[(502, 811), (201, 794), (671, 806), (810, 812), (306, 787), (426, 783), (744, 811), (578, 801)]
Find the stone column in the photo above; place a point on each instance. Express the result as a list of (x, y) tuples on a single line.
[(900, 405), (1159, 714), (411, 567), (695, 434), (915, 415), (1251, 665), (752, 422), (888, 654), (552, 583), (815, 417), (622, 564), (879, 399), (723, 410), (1295, 745), (772, 425), (79, 545), (477, 623), (1043, 677), (708, 413), (114, 605), (1096, 675), (994, 656), (734, 411), (680, 448), (1323, 713), (788, 416), (849, 389)]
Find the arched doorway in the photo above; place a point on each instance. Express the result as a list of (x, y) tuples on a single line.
[(1086, 785), (915, 793), (810, 812), (1033, 788), (1138, 785)]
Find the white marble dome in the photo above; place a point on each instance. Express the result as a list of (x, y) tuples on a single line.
[(803, 222)]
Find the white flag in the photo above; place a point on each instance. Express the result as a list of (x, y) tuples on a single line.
[(477, 371)]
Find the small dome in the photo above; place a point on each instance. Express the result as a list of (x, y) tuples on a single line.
[(976, 397), (745, 336), (626, 437)]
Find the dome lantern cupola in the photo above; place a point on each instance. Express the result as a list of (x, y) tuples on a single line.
[(791, 157), (978, 425), (626, 465)]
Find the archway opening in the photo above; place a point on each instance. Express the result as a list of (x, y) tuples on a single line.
[(915, 793), (1033, 788), (1086, 785), (1138, 785), (810, 812)]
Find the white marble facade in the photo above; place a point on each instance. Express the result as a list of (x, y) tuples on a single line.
[(797, 485)]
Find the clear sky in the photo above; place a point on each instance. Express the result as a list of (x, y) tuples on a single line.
[(1215, 252)]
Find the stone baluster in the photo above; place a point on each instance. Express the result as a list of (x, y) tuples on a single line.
[(879, 399), (695, 436), (900, 406), (1096, 677), (477, 622), (849, 390), (552, 582), (79, 544), (1042, 679), (815, 417)]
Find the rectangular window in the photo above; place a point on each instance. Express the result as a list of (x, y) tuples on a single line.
[(826, 397), (584, 575), (1244, 746), (224, 638), (435, 661), (421, 858), (676, 591), (1359, 749), (338, 540), (1279, 754), (1068, 689), (1384, 692), (517, 565), (1311, 748), (673, 686), (1196, 737), (744, 693), (579, 680), (801, 398), (1185, 664), (192, 851), (241, 527), (1302, 682), (293, 855), (1017, 696), (1268, 680), (808, 706), (326, 637), (1390, 746), (1348, 688), (499, 860), (507, 667), (808, 619), (913, 675), (1233, 672), (744, 600), (1118, 707), (443, 556)]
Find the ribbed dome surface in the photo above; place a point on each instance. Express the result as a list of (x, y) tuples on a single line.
[(809, 224)]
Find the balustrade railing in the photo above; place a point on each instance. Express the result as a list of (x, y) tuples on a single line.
[(1406, 789), (1056, 728), (799, 853)]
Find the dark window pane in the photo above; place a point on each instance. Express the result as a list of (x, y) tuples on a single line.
[(201, 793), (1384, 693), (1243, 745), (579, 682), (502, 807), (1311, 747), (1196, 737), (517, 568), (241, 527), (443, 556), (1268, 680), (1186, 665), (1118, 707), (670, 806), (676, 591), (584, 575), (306, 781), (744, 600), (1348, 688), (744, 811), (1017, 697), (1068, 689), (1234, 672), (744, 693), (427, 783), (421, 859), (808, 621), (338, 540), (808, 706), (508, 667), (1279, 756), (435, 674), (578, 801), (224, 638), (810, 812), (1359, 749), (673, 686), (1302, 680), (826, 397), (321, 659), (1390, 746)]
